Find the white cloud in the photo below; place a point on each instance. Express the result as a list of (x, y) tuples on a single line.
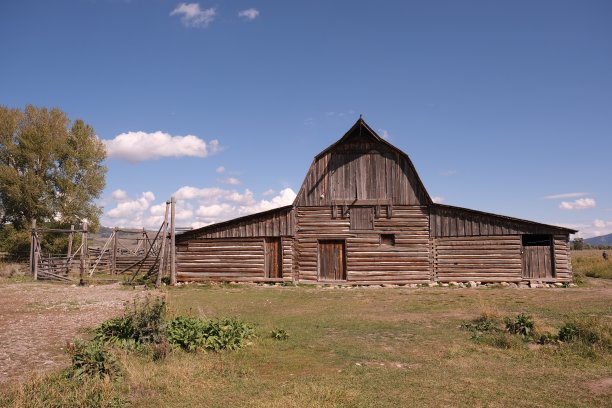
[(196, 207), (438, 200), (565, 195), (140, 146), (448, 173), (579, 204), (597, 228), (193, 16), (119, 195), (129, 208), (383, 133), (249, 14), (599, 223), (268, 193), (216, 205), (220, 169), (231, 181)]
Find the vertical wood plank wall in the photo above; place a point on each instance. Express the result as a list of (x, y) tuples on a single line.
[(347, 175), (367, 260), (482, 259)]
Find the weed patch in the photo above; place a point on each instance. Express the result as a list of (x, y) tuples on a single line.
[(192, 333), (92, 358)]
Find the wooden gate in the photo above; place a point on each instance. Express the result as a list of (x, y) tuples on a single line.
[(537, 257), (274, 258), (332, 260)]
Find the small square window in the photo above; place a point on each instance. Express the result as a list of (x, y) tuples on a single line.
[(387, 239)]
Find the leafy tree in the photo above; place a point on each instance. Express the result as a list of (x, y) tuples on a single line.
[(578, 244), (50, 168)]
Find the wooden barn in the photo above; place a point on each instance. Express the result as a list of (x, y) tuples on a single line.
[(363, 216)]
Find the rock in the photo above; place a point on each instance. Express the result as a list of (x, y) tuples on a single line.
[(461, 285), (413, 285), (523, 285), (558, 284), (572, 285), (444, 285), (472, 284), (387, 285), (453, 283), (513, 285), (432, 284), (505, 284)]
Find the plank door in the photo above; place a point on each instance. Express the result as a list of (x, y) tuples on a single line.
[(274, 258), (537, 257), (332, 260)]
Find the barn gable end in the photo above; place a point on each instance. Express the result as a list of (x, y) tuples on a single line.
[(362, 167)]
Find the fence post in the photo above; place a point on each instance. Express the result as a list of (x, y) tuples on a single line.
[(114, 254), (162, 251), (172, 242), (33, 252), (84, 264)]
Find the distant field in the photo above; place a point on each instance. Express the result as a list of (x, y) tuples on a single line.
[(374, 347), (589, 262)]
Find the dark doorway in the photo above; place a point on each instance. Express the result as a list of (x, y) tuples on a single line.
[(274, 258), (332, 260), (537, 257)]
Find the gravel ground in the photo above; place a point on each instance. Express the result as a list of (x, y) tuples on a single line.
[(38, 319)]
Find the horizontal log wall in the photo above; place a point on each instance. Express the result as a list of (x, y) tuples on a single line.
[(563, 264), (480, 259), (221, 260), (367, 261), (287, 246)]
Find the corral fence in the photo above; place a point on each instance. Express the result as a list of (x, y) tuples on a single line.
[(126, 251)]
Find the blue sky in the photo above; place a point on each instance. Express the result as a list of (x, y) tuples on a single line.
[(503, 106)]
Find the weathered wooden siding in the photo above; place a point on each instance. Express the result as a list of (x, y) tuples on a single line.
[(287, 245), (563, 264), (367, 261), (274, 223), (449, 221), (221, 260), (362, 169), (480, 259)]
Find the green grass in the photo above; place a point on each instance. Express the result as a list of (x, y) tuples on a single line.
[(372, 347), (590, 263)]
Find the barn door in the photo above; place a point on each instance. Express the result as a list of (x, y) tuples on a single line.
[(274, 258), (332, 260), (537, 257)]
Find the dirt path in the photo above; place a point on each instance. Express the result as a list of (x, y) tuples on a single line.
[(37, 319)]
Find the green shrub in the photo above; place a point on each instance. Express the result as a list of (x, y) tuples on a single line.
[(523, 325), (589, 331), (482, 324), (548, 338), (280, 334), (142, 324), (92, 359), (192, 333)]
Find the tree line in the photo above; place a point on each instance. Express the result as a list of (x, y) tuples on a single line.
[(50, 170)]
